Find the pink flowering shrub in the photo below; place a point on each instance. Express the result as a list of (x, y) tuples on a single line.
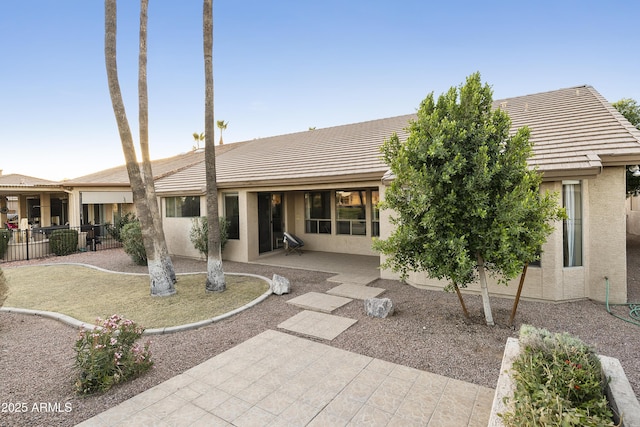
[(109, 354)]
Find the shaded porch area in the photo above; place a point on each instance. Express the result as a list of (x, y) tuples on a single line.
[(348, 268)]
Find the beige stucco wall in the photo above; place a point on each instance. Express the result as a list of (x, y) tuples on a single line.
[(177, 230), (357, 245), (607, 236), (633, 215), (604, 250), (247, 247)]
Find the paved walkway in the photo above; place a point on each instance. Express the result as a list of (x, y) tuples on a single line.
[(277, 379)]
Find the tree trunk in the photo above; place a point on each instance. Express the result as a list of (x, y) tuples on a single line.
[(464, 307), (484, 291), (161, 283), (517, 300), (215, 274), (158, 237)]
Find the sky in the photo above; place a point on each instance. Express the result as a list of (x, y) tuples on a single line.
[(284, 66)]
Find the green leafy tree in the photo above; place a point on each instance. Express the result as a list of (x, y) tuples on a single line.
[(630, 109), (464, 199)]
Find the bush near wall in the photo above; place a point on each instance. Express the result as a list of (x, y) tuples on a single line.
[(4, 288), (115, 230), (63, 242), (5, 235), (199, 234), (132, 242)]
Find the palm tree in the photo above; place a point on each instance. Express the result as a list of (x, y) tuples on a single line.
[(197, 137), (215, 274), (222, 125), (161, 272)]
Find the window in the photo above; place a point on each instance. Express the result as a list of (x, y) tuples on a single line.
[(351, 207), (317, 208), (232, 215), (375, 213), (182, 207), (572, 226)]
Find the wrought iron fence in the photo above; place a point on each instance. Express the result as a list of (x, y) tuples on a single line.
[(35, 242)]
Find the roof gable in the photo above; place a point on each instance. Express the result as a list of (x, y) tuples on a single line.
[(573, 130)]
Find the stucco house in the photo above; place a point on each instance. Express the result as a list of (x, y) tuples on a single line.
[(323, 185)]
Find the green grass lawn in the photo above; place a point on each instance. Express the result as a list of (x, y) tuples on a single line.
[(86, 294)]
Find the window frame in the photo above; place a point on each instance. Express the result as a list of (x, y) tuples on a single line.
[(173, 209), (356, 226), (375, 212), (572, 226), (233, 221), (314, 224)]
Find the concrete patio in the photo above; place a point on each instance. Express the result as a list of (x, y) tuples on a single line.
[(277, 379)]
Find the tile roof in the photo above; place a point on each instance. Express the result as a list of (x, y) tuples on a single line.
[(314, 156), (574, 131), (17, 180), (161, 167)]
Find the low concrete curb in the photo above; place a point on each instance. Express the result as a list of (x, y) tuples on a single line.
[(619, 392), (157, 331)]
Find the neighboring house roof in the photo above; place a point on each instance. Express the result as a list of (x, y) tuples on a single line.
[(575, 131), (24, 181), (161, 167)]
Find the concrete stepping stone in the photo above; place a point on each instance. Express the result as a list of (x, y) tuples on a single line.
[(356, 279), (317, 325), (319, 302), (349, 290)]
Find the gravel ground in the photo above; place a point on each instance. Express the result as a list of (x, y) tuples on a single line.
[(427, 332)]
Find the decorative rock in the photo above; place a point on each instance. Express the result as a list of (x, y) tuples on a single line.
[(280, 285), (378, 307)]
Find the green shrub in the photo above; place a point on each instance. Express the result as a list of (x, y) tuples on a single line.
[(132, 243), (5, 235), (4, 288), (63, 242), (199, 234), (109, 355), (115, 230), (558, 382)]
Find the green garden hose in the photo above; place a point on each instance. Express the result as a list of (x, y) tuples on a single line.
[(634, 309)]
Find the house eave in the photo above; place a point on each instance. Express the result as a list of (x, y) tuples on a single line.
[(309, 180)]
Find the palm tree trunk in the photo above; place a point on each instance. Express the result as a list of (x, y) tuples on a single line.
[(161, 284), (147, 174), (215, 274), (484, 291)]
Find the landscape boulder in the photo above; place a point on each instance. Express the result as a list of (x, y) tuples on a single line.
[(378, 307), (280, 285)]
